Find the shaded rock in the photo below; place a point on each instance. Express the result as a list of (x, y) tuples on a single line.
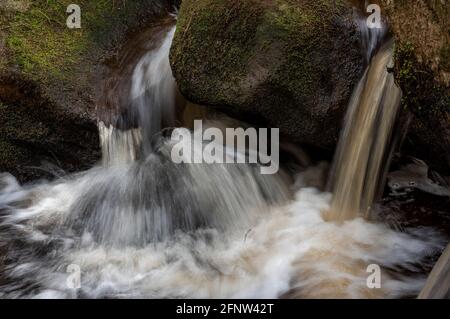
[(422, 70), (287, 64), (38, 138), (425, 25)]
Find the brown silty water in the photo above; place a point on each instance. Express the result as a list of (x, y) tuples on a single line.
[(363, 148)]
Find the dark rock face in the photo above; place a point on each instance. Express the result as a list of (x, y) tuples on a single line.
[(422, 70), (287, 64), (37, 137)]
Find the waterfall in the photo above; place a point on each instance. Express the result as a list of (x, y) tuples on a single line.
[(139, 195), (140, 226), (153, 86), (364, 142), (371, 38), (118, 147), (151, 101)]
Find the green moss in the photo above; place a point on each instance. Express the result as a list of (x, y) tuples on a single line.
[(289, 16), (274, 62), (404, 56), (44, 47), (235, 21), (421, 93), (40, 40), (301, 72), (445, 57), (239, 32)]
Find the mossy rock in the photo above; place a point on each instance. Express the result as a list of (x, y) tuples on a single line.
[(422, 59), (427, 101), (279, 63), (67, 63)]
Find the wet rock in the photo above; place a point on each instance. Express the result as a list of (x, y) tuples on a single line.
[(415, 176), (37, 137), (422, 70), (287, 64)]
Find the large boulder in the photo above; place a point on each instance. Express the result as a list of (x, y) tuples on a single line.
[(281, 63)]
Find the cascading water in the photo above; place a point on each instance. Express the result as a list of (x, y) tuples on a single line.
[(119, 147), (363, 144), (143, 226), (152, 87)]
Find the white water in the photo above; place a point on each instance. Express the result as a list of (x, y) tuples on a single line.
[(289, 250), (153, 85), (119, 147), (151, 228)]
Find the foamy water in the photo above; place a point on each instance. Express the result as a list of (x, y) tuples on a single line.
[(288, 250)]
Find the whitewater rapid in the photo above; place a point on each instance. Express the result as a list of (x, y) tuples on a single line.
[(285, 250)]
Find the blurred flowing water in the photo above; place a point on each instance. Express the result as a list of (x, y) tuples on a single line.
[(140, 226), (363, 149)]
